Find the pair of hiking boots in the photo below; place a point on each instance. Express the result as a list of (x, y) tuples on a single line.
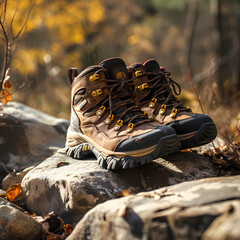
[(130, 116)]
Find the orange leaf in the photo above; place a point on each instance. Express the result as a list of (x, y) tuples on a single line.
[(68, 228), (6, 97), (13, 191), (186, 150), (6, 83), (125, 192)]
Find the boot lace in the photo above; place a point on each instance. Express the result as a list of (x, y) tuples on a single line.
[(121, 104), (163, 90)]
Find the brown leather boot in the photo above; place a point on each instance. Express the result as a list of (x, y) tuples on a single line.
[(155, 93), (106, 121)]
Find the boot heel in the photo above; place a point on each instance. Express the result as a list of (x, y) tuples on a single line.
[(82, 150)]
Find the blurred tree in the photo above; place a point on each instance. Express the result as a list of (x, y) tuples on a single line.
[(65, 33)]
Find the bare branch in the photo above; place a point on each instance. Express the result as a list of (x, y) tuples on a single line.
[(11, 24), (25, 22), (210, 74), (4, 167), (9, 39), (199, 100), (4, 12), (6, 54)]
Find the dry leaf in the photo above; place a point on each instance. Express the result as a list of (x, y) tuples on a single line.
[(125, 192), (186, 150), (6, 83), (13, 191), (68, 228), (62, 164), (6, 96)]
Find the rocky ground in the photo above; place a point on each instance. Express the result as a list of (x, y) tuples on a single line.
[(45, 194)]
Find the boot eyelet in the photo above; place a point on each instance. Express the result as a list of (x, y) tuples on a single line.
[(100, 111), (118, 125), (97, 92), (163, 109), (174, 113), (138, 73), (151, 117), (94, 77), (130, 127), (152, 103), (142, 87), (109, 119)]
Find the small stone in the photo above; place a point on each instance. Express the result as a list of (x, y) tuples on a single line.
[(14, 224)]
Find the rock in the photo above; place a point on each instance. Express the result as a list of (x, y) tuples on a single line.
[(216, 143), (2, 191), (202, 209), (14, 178), (28, 136), (14, 224), (3, 172), (71, 187)]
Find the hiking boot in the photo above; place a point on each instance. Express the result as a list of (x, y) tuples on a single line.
[(155, 92), (106, 121)]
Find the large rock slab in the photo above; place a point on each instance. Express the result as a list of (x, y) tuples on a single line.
[(28, 136), (202, 209), (14, 224), (71, 187)]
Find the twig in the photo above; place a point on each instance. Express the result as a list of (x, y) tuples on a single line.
[(4, 167), (199, 101), (210, 74), (25, 22), (4, 12), (6, 54), (10, 39)]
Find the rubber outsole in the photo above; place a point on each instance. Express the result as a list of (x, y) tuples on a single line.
[(204, 135), (166, 145)]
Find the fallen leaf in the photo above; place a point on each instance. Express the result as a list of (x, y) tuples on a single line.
[(6, 96), (217, 150), (68, 228), (125, 192), (13, 191), (62, 164), (186, 150), (6, 83)]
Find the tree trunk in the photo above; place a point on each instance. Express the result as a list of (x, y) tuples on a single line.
[(217, 36), (189, 32)]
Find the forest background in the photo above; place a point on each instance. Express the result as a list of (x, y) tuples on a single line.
[(198, 41)]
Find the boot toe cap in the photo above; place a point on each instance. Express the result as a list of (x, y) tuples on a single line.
[(191, 124)]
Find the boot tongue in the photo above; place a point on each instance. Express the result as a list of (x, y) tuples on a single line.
[(152, 66), (117, 70), (116, 67)]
